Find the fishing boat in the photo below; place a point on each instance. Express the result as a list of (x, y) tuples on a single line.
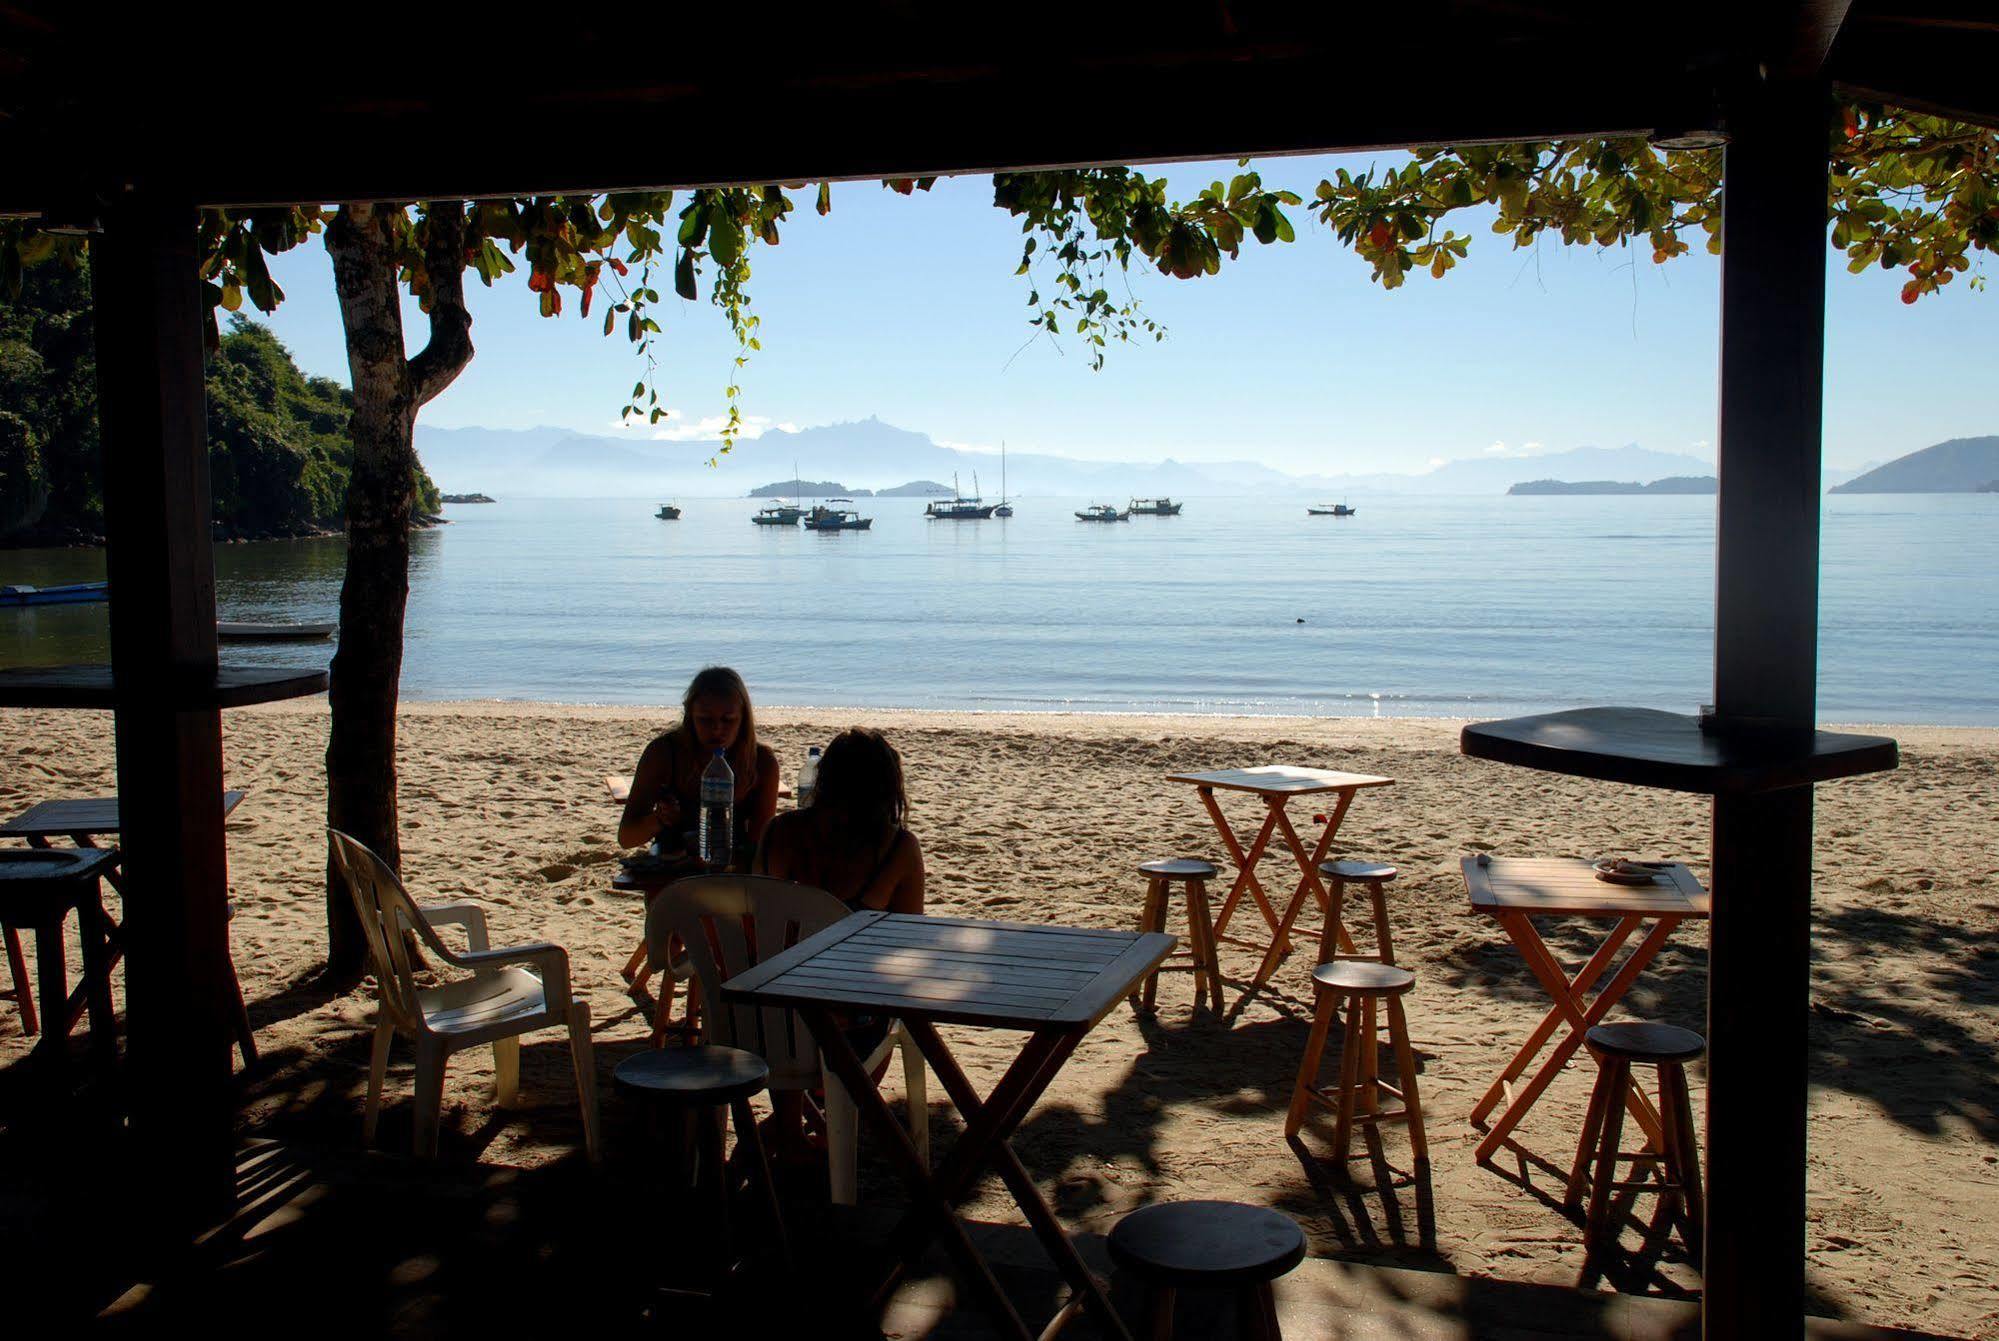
[(959, 507), (783, 514), (243, 631), (70, 594), (823, 518), (1155, 507), (667, 512), (1103, 512), (1005, 509), (1332, 510)]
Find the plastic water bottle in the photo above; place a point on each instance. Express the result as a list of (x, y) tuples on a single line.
[(718, 812), (808, 779)]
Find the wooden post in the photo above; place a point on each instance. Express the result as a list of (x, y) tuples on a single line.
[(161, 565), (1766, 669)]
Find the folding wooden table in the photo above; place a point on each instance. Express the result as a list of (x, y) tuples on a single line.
[(1276, 784), (1516, 890), (1052, 983)]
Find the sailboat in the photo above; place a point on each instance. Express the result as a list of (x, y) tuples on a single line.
[(782, 514), (958, 507), (1005, 509)]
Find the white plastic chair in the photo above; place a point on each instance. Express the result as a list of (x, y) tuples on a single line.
[(709, 914), (511, 991)]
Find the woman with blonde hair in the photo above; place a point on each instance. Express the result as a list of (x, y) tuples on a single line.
[(666, 790)]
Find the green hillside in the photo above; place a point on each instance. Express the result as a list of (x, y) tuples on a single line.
[(1962, 465), (277, 439)]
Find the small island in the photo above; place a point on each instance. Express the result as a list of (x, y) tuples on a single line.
[(917, 489), (1672, 484), (807, 489), (466, 498)]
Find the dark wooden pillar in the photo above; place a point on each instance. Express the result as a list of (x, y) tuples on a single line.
[(161, 565), (1766, 672)]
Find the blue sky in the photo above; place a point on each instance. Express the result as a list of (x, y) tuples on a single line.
[(908, 308)]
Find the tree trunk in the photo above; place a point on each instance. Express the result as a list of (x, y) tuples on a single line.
[(368, 247)]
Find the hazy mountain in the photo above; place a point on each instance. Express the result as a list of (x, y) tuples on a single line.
[(1961, 465), (869, 454)]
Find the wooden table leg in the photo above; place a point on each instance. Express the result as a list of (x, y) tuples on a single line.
[(1580, 1020), (929, 1202), (1025, 1194), (1245, 865), (1582, 982), (1307, 884)]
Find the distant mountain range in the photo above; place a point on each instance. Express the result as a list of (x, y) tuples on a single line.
[(872, 455), (1961, 465)]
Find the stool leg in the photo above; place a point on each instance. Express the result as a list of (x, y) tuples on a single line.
[(17, 969), (715, 1172), (52, 984), (1384, 940), (94, 951), (1201, 926), (1599, 1095), (1405, 1074), (1684, 1154), (1597, 1230), (1370, 1057), (1308, 1069), (1329, 934), (1256, 1313), (1151, 918), (1159, 1313), (1350, 1044), (750, 1149)]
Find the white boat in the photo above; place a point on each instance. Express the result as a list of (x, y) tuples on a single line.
[(1005, 509), (959, 507), (244, 631)]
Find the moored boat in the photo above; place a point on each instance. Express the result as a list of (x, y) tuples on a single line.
[(72, 593), (1155, 507), (823, 518), (781, 515), (1102, 512), (667, 512), (959, 507), (244, 631), (1332, 510)]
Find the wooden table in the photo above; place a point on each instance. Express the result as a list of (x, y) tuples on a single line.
[(1516, 890), (1052, 983), (1275, 785), (81, 820)]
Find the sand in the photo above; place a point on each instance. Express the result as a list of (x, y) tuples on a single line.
[(1042, 818)]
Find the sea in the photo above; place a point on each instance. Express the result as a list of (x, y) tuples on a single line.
[(1414, 606)]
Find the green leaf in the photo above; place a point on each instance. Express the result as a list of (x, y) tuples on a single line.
[(683, 278)]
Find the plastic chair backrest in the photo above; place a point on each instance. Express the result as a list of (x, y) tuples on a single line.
[(730, 923), (388, 915)]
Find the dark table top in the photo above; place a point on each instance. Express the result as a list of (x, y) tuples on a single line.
[(74, 815), (21, 867), (1006, 975)]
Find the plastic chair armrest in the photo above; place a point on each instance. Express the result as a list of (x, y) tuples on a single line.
[(465, 913), (551, 959)]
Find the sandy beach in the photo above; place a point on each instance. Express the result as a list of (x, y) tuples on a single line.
[(1043, 818)]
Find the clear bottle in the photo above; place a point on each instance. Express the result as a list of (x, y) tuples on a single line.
[(808, 779), (718, 812)]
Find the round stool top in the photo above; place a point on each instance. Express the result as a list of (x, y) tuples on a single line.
[(1180, 868), (1364, 977), (1352, 869), (1207, 1243), (1646, 1041), (694, 1075), (22, 866)]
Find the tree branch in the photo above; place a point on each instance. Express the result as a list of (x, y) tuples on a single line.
[(437, 365)]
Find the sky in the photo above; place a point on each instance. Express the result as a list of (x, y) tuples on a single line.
[(907, 308)]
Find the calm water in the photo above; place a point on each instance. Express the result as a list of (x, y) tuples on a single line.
[(1461, 606)]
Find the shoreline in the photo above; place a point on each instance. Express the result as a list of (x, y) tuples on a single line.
[(795, 715)]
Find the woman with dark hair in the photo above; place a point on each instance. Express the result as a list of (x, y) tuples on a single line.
[(666, 790), (851, 842)]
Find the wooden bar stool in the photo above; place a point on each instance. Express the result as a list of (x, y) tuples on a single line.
[(1617, 1048), (1160, 876), (689, 1088), (1356, 1099), (1375, 875), (1208, 1245), (40, 888)]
